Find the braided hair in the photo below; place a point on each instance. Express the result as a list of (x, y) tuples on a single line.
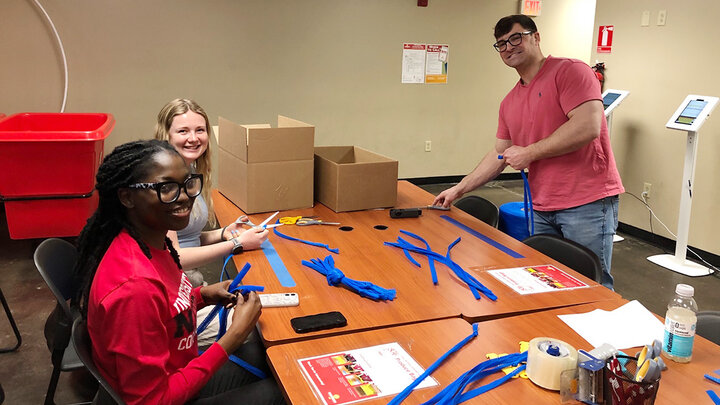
[(126, 164)]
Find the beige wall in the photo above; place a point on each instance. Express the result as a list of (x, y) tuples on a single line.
[(333, 63), (336, 64), (660, 66)]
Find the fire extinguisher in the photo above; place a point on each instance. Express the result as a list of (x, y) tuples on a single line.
[(599, 70)]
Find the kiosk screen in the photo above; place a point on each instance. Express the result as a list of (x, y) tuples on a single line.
[(691, 112)]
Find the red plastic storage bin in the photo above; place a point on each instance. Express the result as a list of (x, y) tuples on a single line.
[(51, 154), (48, 218)]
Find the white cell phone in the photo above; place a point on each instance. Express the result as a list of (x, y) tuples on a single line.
[(279, 300)]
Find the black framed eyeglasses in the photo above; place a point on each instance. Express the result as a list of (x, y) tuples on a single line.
[(169, 191), (514, 40)]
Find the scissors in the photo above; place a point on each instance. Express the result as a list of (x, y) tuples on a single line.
[(291, 220), (310, 221), (244, 220)]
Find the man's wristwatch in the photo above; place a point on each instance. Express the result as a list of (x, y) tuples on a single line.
[(237, 246)]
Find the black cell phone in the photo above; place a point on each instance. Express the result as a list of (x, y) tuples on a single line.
[(311, 323)]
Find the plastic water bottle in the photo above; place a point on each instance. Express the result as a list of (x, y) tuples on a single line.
[(680, 323)]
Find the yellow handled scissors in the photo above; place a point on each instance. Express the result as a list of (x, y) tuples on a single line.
[(310, 221), (289, 220)]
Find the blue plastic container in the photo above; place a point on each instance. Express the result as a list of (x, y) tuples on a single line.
[(512, 220)]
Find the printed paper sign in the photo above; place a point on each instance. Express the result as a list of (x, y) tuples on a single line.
[(537, 279), (357, 375), (413, 64), (436, 64)]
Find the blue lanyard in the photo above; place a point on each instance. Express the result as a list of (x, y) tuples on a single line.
[(307, 242), (453, 393), (527, 202), (404, 393), (482, 237), (334, 277), (222, 312), (473, 284)]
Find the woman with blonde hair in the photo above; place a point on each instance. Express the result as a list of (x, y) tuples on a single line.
[(185, 125)]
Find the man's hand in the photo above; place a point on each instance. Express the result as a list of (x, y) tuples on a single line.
[(518, 157), (448, 196)]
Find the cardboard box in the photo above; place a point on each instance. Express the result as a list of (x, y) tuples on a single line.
[(350, 178), (262, 169)]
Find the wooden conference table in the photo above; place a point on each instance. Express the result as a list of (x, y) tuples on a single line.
[(364, 257), (426, 342)]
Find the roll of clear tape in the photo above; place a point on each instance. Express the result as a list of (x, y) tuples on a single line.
[(547, 358)]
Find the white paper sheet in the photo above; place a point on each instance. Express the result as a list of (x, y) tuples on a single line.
[(630, 325)]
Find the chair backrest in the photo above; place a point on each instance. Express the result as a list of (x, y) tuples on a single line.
[(708, 325), (569, 253), (480, 208), (55, 259), (83, 347)]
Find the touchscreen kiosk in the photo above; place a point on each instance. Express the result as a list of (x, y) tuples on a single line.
[(612, 98), (692, 112), (688, 117)]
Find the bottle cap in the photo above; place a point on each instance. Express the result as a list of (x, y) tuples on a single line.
[(684, 290)]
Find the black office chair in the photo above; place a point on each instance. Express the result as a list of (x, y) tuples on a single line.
[(569, 253), (55, 259), (708, 325), (83, 346), (13, 325), (480, 208)]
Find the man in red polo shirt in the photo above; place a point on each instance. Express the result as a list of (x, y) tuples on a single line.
[(552, 123)]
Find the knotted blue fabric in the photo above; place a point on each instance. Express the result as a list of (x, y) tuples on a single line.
[(473, 284), (222, 312), (307, 242), (404, 393), (336, 277)]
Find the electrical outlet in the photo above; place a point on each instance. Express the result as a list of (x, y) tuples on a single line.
[(646, 189), (428, 146), (645, 19), (662, 16)]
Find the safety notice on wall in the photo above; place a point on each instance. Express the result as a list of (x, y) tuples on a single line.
[(425, 63), (436, 64), (605, 38)]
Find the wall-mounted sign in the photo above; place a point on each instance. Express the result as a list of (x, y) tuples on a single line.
[(436, 64), (425, 63), (413, 64), (605, 37), (530, 7)]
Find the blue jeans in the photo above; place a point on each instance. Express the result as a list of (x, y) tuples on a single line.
[(591, 225)]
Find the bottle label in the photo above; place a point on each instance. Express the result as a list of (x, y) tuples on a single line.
[(679, 338)]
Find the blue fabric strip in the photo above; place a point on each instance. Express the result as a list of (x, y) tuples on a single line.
[(453, 393), (482, 237), (713, 379), (307, 242), (335, 277), (247, 366), (281, 272), (222, 312), (475, 286), (527, 202), (404, 394), (713, 396)]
